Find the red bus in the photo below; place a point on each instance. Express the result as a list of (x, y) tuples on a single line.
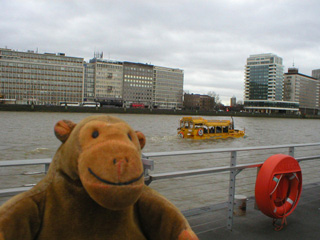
[(137, 105)]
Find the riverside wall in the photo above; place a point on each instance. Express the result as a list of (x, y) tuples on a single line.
[(44, 108)]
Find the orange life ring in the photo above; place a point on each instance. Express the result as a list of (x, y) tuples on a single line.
[(181, 134), (200, 132), (285, 193), (278, 186)]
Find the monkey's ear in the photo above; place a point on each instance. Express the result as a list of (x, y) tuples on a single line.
[(63, 128), (142, 139)]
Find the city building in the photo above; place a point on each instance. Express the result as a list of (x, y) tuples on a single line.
[(303, 89), (264, 85), (113, 82), (264, 77), (138, 81), (233, 101), (263, 106), (33, 78), (89, 82), (108, 80), (316, 74), (54, 79), (198, 102), (168, 88)]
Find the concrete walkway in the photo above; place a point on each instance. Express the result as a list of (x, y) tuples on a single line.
[(304, 223)]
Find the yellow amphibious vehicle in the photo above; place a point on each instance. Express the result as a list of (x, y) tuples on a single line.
[(200, 128)]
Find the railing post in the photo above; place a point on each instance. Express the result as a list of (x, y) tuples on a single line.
[(232, 185), (291, 151), (255, 203), (147, 165), (46, 167)]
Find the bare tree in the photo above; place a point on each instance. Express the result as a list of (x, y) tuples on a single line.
[(215, 95), (239, 102)]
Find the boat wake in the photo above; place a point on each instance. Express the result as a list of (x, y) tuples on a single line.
[(158, 139), (39, 150)]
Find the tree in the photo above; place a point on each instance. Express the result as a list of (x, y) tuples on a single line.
[(239, 102), (216, 97), (217, 101)]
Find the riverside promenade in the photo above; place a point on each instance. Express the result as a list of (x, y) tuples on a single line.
[(304, 223)]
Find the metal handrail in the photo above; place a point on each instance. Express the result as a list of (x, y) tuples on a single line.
[(221, 150), (202, 171), (11, 163), (148, 163)]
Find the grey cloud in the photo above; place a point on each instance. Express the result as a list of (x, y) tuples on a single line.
[(209, 40)]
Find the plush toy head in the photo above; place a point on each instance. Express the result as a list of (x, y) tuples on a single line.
[(95, 181), (103, 152)]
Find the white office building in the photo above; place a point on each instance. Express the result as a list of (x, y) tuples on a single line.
[(168, 88), (264, 85), (303, 89)]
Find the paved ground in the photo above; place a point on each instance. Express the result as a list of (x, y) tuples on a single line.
[(304, 223)]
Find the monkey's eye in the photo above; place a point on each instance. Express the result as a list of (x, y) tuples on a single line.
[(95, 134), (129, 137)]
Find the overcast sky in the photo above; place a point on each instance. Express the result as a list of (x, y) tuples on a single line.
[(209, 40)]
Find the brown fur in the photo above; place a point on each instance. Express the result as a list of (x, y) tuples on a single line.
[(94, 189)]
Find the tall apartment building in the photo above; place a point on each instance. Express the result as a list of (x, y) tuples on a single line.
[(108, 80), (29, 77), (233, 101), (316, 74), (264, 77), (168, 88), (264, 85), (303, 89), (137, 83)]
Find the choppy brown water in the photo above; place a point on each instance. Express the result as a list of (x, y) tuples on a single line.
[(28, 135)]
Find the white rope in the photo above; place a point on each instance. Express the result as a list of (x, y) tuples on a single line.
[(276, 185)]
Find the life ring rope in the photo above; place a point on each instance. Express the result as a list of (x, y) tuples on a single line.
[(291, 198), (277, 180), (288, 203), (281, 226)]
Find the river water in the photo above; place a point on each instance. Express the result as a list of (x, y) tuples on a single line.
[(29, 135)]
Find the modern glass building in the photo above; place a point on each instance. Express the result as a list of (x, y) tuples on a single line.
[(264, 77), (264, 85)]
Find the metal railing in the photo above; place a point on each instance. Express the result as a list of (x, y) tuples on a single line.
[(148, 161)]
